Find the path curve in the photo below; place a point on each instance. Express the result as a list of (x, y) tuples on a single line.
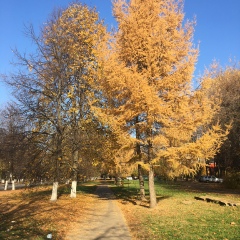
[(105, 220)]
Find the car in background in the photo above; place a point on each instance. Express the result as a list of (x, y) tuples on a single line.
[(210, 179), (129, 178)]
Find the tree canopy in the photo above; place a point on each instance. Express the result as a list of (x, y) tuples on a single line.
[(146, 73), (95, 98)]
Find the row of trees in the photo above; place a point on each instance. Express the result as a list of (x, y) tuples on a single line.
[(53, 90), (226, 88), (91, 99)]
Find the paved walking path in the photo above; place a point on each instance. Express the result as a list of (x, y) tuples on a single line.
[(106, 220)]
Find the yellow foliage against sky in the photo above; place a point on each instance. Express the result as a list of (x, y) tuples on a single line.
[(145, 72), (76, 31)]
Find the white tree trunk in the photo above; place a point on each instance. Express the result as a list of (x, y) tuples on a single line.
[(74, 189), (54, 191), (6, 185), (13, 185)]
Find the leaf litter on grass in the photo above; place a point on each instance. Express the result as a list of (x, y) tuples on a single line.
[(29, 214)]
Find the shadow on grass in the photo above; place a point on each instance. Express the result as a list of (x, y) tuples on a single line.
[(25, 215), (87, 189), (17, 216), (130, 194), (197, 187)]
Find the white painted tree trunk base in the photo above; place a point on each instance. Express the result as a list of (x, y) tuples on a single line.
[(54, 191), (13, 185), (6, 185), (74, 189)]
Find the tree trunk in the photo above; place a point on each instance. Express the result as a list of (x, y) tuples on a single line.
[(59, 134), (55, 182), (74, 177), (6, 185), (118, 180), (141, 183), (74, 189), (138, 151), (58, 157), (13, 185), (54, 191), (153, 199)]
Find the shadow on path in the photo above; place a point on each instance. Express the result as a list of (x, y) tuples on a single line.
[(105, 220)]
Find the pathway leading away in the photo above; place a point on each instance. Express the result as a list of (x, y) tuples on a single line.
[(105, 220)]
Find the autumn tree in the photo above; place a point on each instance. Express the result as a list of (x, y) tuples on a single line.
[(55, 86), (21, 152), (145, 74), (3, 165), (225, 88), (77, 31), (13, 143)]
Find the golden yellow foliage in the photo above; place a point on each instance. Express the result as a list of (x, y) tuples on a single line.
[(145, 72)]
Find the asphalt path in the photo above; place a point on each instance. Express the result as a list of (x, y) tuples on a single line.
[(105, 222)]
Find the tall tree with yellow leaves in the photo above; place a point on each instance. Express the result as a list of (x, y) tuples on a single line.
[(55, 87), (226, 87), (77, 32), (145, 74)]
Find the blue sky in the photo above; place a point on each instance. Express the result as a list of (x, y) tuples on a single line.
[(217, 29)]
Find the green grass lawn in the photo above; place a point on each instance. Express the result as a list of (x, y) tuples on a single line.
[(30, 215), (178, 215)]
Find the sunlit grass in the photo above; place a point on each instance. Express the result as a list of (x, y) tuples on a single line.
[(29, 214), (178, 215)]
